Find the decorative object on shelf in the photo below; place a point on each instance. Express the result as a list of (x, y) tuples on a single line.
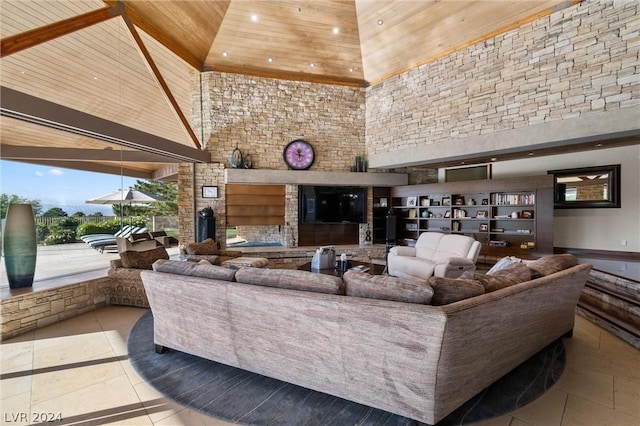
[(411, 201), (471, 202), (484, 227), (446, 201), (514, 215), (526, 214), (481, 214), (425, 214), (236, 158), (19, 245), (360, 165), (383, 202), (447, 213), (209, 192), (459, 201), (425, 202), (485, 201), (412, 213), (247, 162), (299, 154)]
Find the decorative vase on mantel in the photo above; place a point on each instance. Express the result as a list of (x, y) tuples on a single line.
[(19, 245)]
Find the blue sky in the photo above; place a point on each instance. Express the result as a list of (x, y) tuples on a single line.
[(58, 187)]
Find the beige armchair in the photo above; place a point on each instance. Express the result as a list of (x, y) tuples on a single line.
[(435, 254)]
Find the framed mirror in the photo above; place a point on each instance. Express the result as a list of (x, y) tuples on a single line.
[(587, 187)]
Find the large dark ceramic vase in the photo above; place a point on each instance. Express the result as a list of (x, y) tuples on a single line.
[(19, 245)]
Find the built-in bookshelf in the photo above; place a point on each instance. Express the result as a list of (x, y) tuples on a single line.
[(513, 216)]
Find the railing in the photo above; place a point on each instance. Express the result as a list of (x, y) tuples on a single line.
[(155, 223), (41, 220)]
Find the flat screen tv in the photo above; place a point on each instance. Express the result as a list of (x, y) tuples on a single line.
[(332, 204)]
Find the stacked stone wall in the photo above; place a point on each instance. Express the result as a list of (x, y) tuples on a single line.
[(260, 116), (579, 60), (34, 310)]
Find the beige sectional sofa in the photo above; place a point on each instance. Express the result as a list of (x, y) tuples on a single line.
[(374, 340)]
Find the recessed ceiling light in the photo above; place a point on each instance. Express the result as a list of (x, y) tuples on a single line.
[(350, 69), (270, 59), (598, 144), (312, 65), (530, 154), (336, 30), (494, 159), (380, 22), (225, 54), (254, 17)]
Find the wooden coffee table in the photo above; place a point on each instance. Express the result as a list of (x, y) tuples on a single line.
[(374, 269)]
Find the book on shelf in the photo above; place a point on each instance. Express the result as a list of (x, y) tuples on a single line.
[(512, 199)]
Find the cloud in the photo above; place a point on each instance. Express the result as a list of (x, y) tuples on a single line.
[(39, 174), (55, 172)]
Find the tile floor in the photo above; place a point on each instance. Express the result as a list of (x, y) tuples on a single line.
[(78, 370)]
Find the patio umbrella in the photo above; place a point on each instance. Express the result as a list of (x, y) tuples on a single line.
[(123, 197)]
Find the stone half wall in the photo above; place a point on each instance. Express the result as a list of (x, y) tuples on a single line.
[(580, 64)]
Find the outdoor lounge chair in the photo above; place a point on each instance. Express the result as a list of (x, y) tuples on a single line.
[(107, 237), (127, 234), (101, 245), (94, 237)]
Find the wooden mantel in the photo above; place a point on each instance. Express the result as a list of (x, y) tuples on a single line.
[(304, 177)]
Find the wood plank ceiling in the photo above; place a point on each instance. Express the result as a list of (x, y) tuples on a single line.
[(111, 90)]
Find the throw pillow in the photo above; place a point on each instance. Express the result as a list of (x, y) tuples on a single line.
[(513, 274), (551, 264), (385, 287), (142, 259), (208, 246), (292, 279), (449, 290), (194, 269), (503, 263)]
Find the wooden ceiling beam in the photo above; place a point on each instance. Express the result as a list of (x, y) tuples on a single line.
[(161, 82), (294, 76), (88, 166), (171, 44), (21, 106), (167, 173), (16, 43), (13, 152)]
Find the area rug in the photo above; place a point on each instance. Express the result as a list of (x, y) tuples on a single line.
[(246, 398)]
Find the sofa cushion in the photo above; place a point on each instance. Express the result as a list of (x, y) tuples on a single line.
[(360, 284), (194, 269), (142, 259), (551, 264), (292, 279), (208, 246), (449, 290), (509, 275), (241, 262), (213, 259)]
